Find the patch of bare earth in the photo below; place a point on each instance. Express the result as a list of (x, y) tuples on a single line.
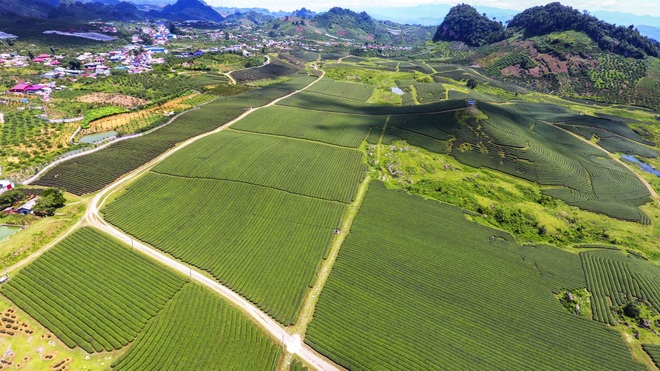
[(125, 101)]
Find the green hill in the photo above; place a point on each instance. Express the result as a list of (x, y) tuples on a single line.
[(464, 23)]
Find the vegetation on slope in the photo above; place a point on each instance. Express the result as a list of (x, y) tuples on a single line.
[(197, 330), (405, 275), (554, 17), (92, 292), (464, 23)]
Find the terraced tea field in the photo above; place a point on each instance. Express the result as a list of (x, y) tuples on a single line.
[(346, 90), (92, 172), (580, 174), (408, 292), (299, 167), (616, 279), (198, 331), (92, 292), (264, 243), (333, 128)]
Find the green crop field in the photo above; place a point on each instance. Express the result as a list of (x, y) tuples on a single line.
[(264, 243), (92, 292), (297, 366), (612, 142), (654, 352), (319, 102), (409, 292), (332, 128), (347, 90), (427, 93), (291, 165), (615, 279), (516, 143), (94, 171), (198, 331)]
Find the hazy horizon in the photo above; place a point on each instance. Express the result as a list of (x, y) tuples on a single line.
[(641, 8)]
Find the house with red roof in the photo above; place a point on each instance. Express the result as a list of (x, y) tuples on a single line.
[(19, 88)]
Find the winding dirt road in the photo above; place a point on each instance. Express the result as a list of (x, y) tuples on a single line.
[(652, 191)]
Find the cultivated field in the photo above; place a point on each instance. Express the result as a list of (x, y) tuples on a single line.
[(197, 330), (321, 102), (332, 128), (264, 243), (346, 90), (615, 279), (510, 141), (296, 166), (92, 292), (408, 292), (92, 172)]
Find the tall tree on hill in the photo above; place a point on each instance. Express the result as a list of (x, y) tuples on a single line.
[(464, 23)]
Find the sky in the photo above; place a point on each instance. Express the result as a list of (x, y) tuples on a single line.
[(640, 7)]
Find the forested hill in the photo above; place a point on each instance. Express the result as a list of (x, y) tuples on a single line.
[(348, 19), (554, 17), (464, 23)]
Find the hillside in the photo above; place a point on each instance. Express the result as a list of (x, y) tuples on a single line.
[(24, 8), (464, 23), (344, 25), (554, 17), (191, 9), (557, 49)]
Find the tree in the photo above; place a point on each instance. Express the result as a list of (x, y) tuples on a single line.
[(472, 83), (73, 64), (172, 28), (50, 200), (464, 23), (632, 310), (10, 197), (146, 39)]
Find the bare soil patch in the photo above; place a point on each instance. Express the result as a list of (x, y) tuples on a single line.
[(115, 99)]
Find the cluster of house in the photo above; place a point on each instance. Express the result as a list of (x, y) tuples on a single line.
[(27, 88), (24, 209), (14, 60)]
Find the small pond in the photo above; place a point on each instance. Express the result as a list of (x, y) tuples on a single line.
[(397, 91), (89, 139), (642, 165), (6, 231)]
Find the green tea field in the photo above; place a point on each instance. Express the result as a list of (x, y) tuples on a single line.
[(407, 292), (92, 292)]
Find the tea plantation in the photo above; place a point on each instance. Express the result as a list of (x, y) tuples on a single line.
[(93, 172), (408, 292), (198, 331), (264, 243), (300, 167), (93, 292)]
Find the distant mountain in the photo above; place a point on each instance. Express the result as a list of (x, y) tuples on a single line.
[(344, 22), (227, 11), (303, 13), (554, 17), (649, 31), (254, 18), (24, 8), (431, 14), (191, 10), (464, 23), (76, 10)]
